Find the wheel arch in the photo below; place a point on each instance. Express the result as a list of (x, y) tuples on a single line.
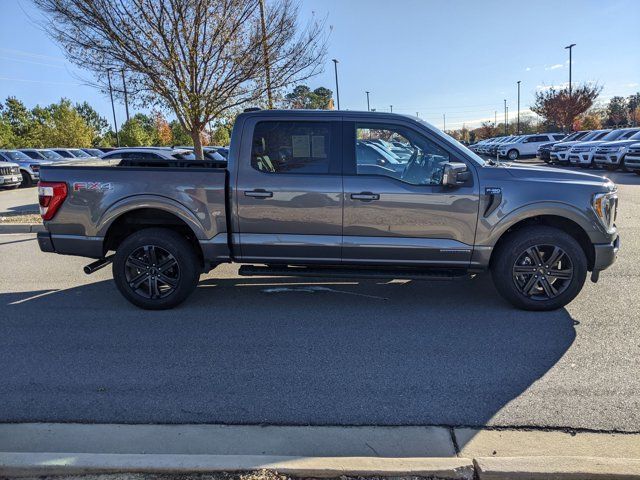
[(563, 223)]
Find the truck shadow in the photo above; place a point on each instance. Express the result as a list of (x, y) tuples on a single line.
[(276, 351)]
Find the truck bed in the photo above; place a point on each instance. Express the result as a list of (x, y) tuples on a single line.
[(99, 192)]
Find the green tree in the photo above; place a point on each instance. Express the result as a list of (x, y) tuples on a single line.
[(58, 125), (179, 134), (617, 112), (7, 139), (303, 97), (99, 124), (135, 132), (18, 116)]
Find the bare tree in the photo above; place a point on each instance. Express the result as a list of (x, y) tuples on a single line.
[(198, 58), (559, 107)]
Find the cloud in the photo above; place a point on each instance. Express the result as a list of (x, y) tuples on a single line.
[(632, 85), (527, 69), (554, 67), (542, 88)]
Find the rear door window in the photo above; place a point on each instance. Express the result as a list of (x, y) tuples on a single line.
[(303, 147)]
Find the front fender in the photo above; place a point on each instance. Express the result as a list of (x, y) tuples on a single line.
[(493, 227), (137, 202)]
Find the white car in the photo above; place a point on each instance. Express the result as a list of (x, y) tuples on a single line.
[(582, 153), (149, 153), (632, 160), (10, 176), (526, 145), (611, 155), (560, 151)]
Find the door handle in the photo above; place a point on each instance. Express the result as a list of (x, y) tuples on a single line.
[(365, 196), (258, 193)]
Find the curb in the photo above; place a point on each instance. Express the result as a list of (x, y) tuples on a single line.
[(40, 464), (558, 468), (21, 228)]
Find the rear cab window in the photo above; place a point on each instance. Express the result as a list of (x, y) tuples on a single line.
[(298, 147)]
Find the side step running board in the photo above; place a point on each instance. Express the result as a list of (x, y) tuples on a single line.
[(345, 272)]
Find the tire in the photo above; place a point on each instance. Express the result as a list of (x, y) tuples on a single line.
[(152, 248), (623, 166), (513, 154), (611, 168), (513, 254), (637, 172), (26, 180)]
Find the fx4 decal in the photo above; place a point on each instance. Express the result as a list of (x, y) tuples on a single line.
[(92, 186)]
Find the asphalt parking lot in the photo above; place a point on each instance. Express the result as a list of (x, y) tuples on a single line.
[(323, 352)]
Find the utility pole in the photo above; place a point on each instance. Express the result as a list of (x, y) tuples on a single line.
[(113, 108), (570, 48), (335, 67), (391, 107), (518, 128), (126, 98), (265, 51), (444, 122), (505, 116), (507, 124), (495, 118), (417, 114), (368, 108)]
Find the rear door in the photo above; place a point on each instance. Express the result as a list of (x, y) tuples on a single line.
[(403, 215), (288, 190)]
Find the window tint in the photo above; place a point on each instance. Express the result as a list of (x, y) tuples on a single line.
[(64, 153), (112, 156), (400, 153), (15, 156), (558, 137), (50, 155), (292, 147), (34, 155)]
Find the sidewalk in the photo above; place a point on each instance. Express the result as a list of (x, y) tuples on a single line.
[(435, 452)]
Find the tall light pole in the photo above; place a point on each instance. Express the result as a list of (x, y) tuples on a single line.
[(368, 108), (391, 108), (335, 67), (495, 118), (126, 100), (505, 116), (518, 128), (570, 48), (113, 108), (265, 51), (444, 122)]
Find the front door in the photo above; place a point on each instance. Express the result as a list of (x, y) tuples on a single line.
[(289, 195), (396, 210)]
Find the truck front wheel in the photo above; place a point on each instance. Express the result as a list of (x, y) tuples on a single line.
[(539, 268), (156, 268)]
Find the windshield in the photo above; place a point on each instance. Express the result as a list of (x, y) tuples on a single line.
[(593, 135), (16, 155), (616, 134), (184, 156), (79, 153), (635, 136), (50, 155), (93, 151)]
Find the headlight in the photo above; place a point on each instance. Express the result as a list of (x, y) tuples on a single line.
[(605, 205), (622, 149)]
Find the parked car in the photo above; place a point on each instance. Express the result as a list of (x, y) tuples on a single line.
[(632, 159), (29, 168), (611, 155), (10, 176), (93, 152), (582, 153), (73, 153), (493, 149), (42, 154), (210, 153), (149, 153), (526, 145), (484, 148), (294, 201), (560, 151), (544, 150)]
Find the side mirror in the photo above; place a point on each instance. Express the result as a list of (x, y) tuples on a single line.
[(455, 174)]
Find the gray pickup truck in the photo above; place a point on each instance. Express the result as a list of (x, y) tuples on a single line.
[(333, 193)]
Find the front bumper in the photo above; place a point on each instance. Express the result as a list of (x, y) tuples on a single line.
[(581, 158), (605, 254), (612, 158), (10, 180), (562, 157), (544, 155), (632, 161)]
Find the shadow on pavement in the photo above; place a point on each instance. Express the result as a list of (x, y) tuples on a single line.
[(275, 351)]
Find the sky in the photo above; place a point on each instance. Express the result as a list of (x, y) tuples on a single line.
[(459, 58)]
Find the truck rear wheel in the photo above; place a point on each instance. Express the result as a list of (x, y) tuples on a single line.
[(539, 268), (156, 268)]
